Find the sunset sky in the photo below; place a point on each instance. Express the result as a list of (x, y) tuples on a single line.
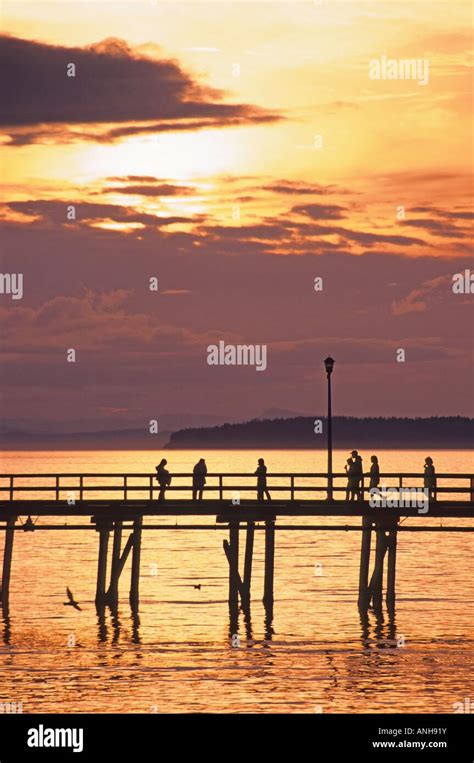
[(235, 151)]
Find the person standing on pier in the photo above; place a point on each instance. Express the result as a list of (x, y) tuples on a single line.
[(374, 473), (261, 473), (199, 479), (352, 480), (164, 478), (358, 473), (429, 478)]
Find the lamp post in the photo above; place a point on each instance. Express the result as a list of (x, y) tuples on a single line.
[(329, 364)]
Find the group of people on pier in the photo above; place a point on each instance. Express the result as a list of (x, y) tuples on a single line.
[(354, 470), (199, 480), (355, 476)]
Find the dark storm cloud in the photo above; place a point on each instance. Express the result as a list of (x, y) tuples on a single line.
[(113, 84)]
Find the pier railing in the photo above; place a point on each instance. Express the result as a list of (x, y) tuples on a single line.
[(294, 486)]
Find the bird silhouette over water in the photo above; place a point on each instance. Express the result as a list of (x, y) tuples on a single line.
[(71, 602)]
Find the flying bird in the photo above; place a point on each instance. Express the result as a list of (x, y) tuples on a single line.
[(71, 602)]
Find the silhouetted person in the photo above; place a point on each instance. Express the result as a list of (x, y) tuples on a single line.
[(374, 472), (199, 479), (261, 473), (164, 478), (352, 480), (358, 473), (429, 478)]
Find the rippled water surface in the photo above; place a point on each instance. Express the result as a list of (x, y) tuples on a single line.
[(177, 656)]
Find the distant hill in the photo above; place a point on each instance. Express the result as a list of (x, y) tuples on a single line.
[(348, 432), (121, 439)]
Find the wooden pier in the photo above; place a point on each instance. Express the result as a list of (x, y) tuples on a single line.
[(118, 504)]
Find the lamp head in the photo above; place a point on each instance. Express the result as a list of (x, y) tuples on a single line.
[(329, 364)]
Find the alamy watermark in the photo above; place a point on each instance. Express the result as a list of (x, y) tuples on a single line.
[(466, 706), (417, 69), (400, 498), (463, 283), (237, 355), (10, 708), (48, 737), (12, 283)]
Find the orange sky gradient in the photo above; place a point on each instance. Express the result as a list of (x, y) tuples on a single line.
[(214, 195)]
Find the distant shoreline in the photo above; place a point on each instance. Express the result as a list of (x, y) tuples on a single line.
[(297, 433)]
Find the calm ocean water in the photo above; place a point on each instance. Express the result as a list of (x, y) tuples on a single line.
[(316, 656)]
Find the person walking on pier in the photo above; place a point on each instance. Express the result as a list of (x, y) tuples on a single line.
[(261, 473), (199, 479), (374, 473), (429, 478), (164, 478)]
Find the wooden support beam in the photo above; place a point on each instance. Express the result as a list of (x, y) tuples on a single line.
[(391, 566), (104, 532), (135, 577), (126, 551), (232, 553), (376, 582), (269, 562), (7, 561), (363, 600), (248, 559), (239, 582), (112, 593)]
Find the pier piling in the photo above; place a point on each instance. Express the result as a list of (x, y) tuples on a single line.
[(7, 561), (366, 534), (376, 581), (391, 565), (104, 532), (112, 593), (136, 554), (248, 559), (233, 558), (269, 563)]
